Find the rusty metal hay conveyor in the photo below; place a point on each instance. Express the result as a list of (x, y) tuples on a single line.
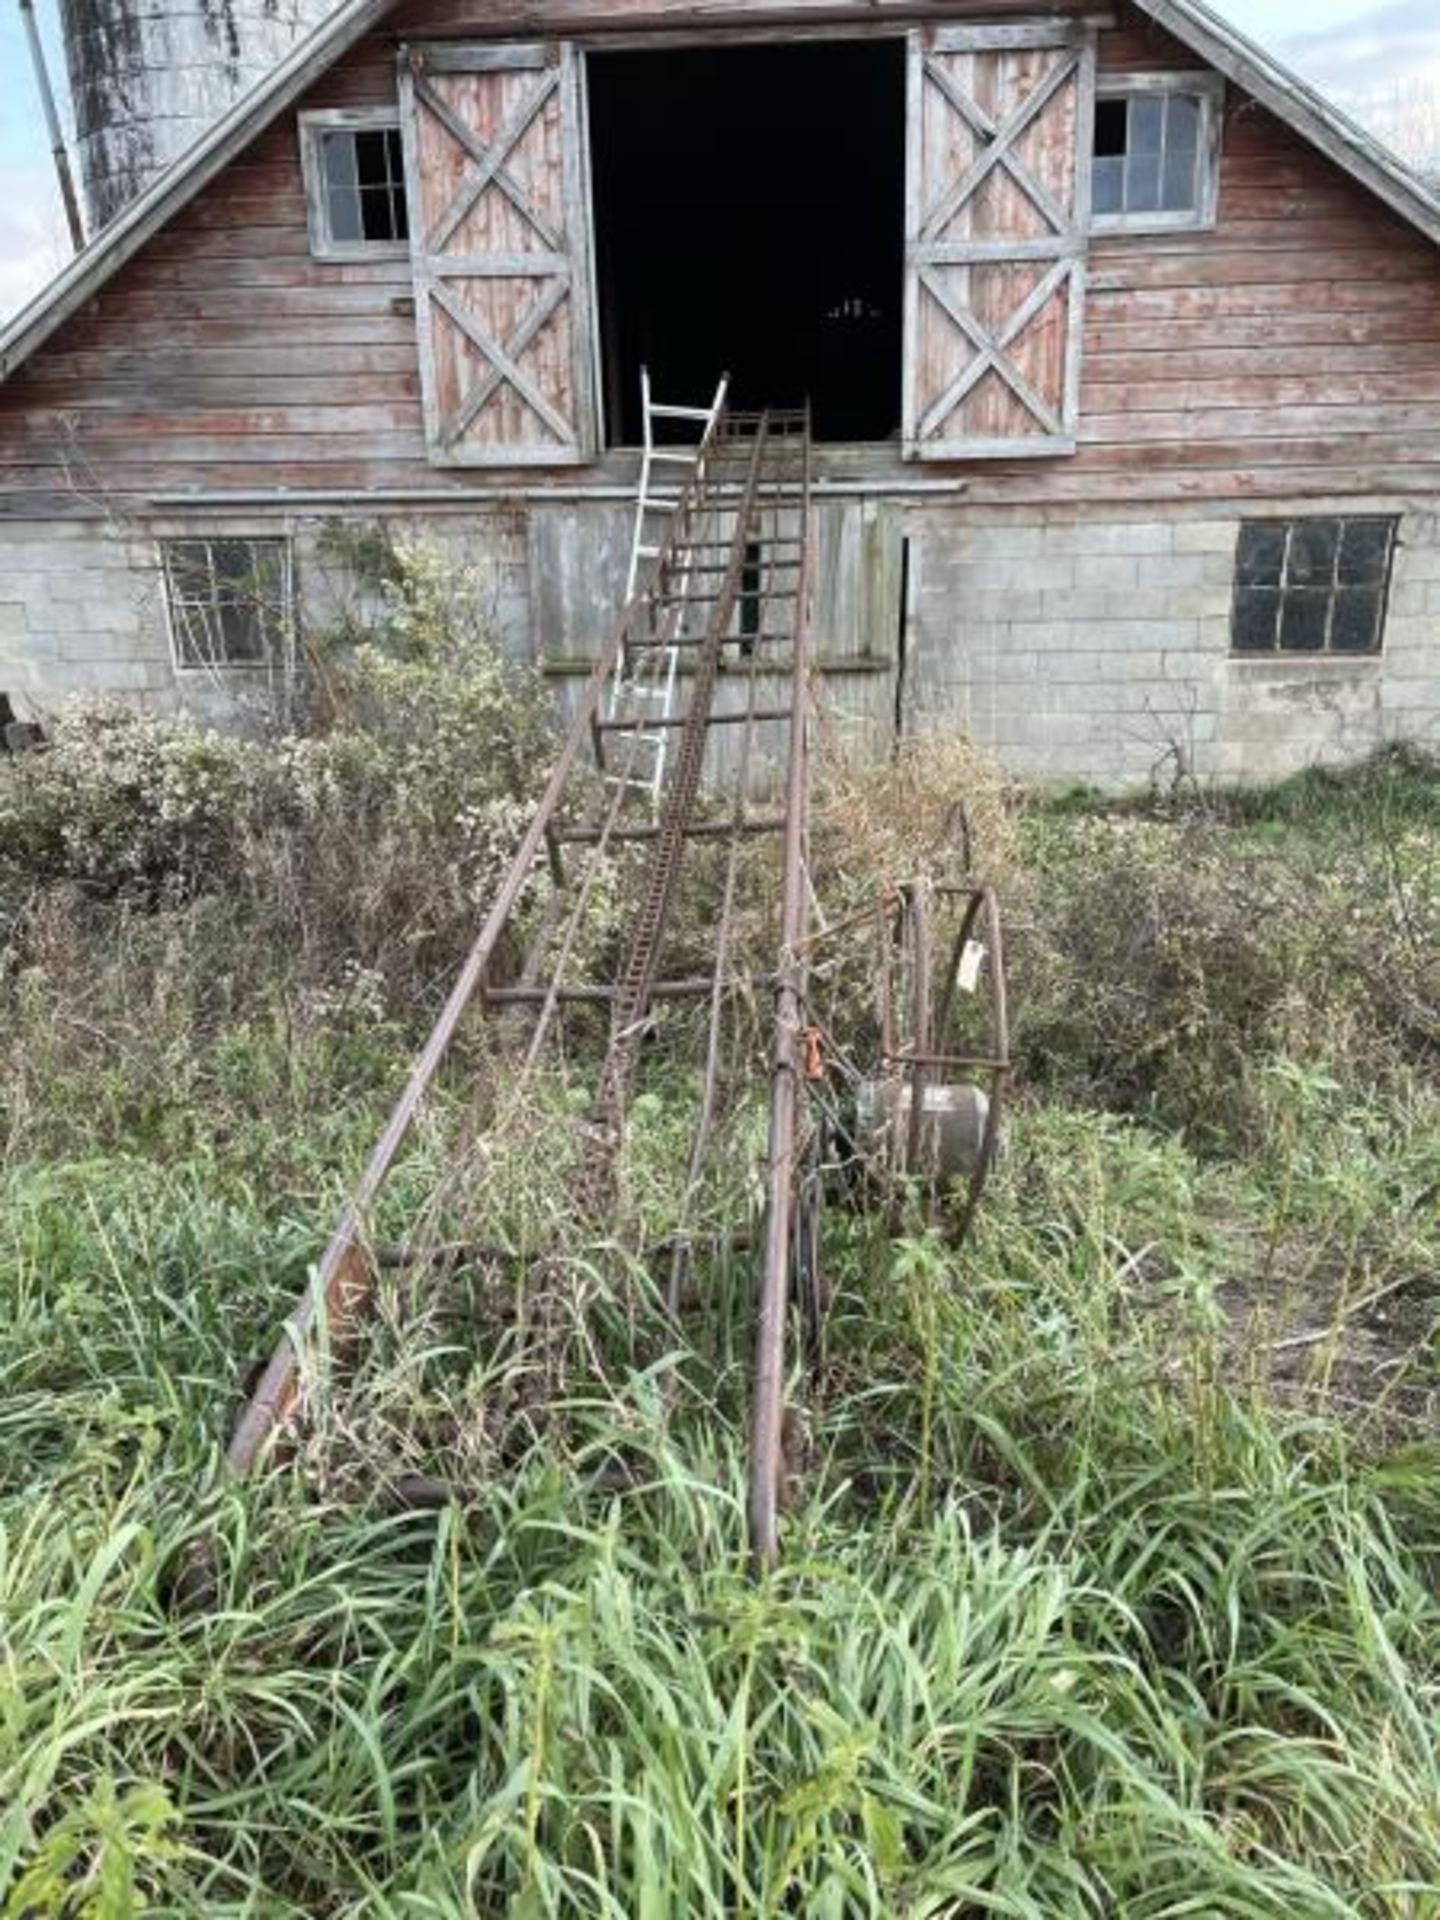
[(720, 618)]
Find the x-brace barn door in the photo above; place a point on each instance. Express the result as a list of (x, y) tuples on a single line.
[(497, 187), (1000, 132)]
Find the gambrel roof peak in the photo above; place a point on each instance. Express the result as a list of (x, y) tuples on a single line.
[(1191, 22)]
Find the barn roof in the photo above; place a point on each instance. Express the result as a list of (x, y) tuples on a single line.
[(1253, 70)]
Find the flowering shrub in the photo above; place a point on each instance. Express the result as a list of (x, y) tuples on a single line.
[(432, 740), (245, 922), (463, 726), (123, 801)]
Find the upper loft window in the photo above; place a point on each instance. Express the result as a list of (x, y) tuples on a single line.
[(1157, 153), (230, 602), (354, 169), (1313, 585)]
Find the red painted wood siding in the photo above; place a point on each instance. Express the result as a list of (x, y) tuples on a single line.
[(1296, 349)]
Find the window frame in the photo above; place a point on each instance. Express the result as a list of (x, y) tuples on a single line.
[(313, 126), (279, 653), (1209, 89), (1329, 654)]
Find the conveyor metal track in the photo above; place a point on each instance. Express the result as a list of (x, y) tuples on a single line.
[(740, 522)]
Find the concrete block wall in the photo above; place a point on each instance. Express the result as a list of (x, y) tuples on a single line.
[(80, 612), (1097, 649), (82, 608), (1078, 648)]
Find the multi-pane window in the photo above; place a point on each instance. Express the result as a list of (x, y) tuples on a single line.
[(1155, 162), (355, 178), (364, 185), (1312, 586), (229, 601)]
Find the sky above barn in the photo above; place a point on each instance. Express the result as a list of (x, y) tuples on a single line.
[(1381, 62)]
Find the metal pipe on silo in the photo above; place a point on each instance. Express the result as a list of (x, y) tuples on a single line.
[(52, 126)]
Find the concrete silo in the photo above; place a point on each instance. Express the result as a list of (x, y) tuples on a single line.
[(149, 76)]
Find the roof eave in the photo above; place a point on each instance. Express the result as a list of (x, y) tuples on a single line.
[(1192, 22), (1309, 113)]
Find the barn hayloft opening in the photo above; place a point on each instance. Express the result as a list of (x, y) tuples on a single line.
[(749, 207)]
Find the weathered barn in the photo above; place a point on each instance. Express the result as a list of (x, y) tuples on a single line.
[(1124, 351)]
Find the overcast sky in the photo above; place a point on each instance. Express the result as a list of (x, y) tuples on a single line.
[(1381, 61)]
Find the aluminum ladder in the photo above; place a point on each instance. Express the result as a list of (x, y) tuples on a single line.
[(643, 692)]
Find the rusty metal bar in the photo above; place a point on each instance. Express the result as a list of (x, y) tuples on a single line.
[(743, 643), (786, 566), (986, 902), (720, 984), (699, 830), (549, 1002), (918, 931), (742, 718), (343, 1281), (876, 910), (767, 1411), (696, 989), (724, 546)]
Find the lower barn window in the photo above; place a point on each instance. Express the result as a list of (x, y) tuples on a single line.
[(1312, 586), (229, 601)]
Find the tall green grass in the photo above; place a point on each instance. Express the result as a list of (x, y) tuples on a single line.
[(1112, 1587), (1069, 1624)]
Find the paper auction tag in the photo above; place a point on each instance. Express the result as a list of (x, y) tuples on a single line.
[(972, 961)]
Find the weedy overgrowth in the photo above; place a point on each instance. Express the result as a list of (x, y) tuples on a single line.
[(1112, 1570)]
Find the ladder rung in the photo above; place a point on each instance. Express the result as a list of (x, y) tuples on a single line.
[(666, 603), (681, 413), (695, 989), (576, 996), (676, 456), (632, 690)]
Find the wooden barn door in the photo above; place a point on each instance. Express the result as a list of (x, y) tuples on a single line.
[(1000, 132), (497, 188)]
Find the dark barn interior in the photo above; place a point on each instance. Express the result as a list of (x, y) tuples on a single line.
[(750, 218)]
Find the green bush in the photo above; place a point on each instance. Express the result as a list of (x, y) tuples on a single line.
[(174, 901), (429, 737), (1162, 962)]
